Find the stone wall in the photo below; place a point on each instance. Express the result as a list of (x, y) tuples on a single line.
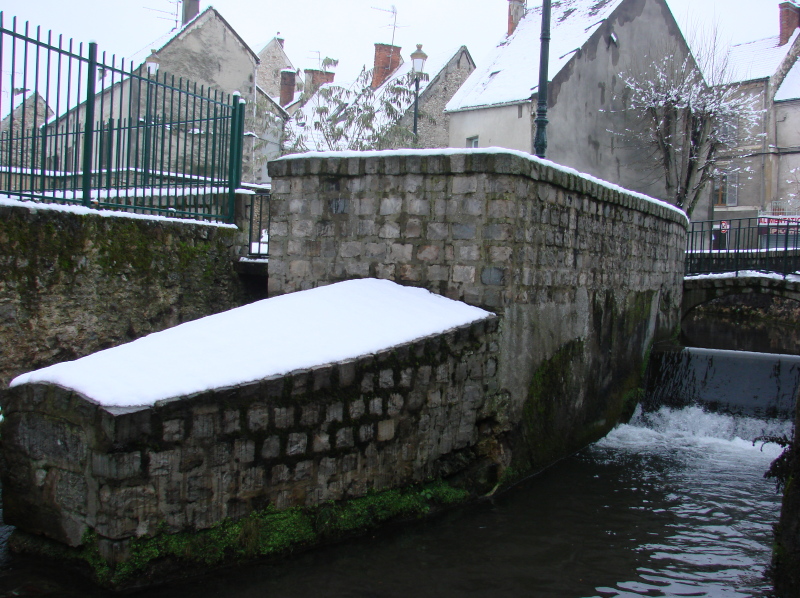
[(386, 420), (72, 284), (584, 276)]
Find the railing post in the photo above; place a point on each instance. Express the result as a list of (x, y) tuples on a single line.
[(240, 149), (88, 127), (236, 135)]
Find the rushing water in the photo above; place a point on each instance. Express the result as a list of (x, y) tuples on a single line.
[(672, 504)]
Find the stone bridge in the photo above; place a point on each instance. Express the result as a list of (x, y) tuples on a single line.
[(704, 288), (581, 278)]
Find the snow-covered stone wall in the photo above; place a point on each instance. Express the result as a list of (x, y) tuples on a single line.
[(73, 281), (584, 275), (387, 419)]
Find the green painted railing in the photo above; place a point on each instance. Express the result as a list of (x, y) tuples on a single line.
[(100, 132)]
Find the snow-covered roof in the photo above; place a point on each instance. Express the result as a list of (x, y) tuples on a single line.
[(272, 337), (511, 74), (758, 59), (790, 87)]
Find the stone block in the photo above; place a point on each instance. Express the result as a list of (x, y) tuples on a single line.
[(173, 430), (334, 413), (321, 442), (117, 466), (310, 415), (464, 274), (284, 417), (376, 406), (271, 449), (385, 430), (296, 444), (244, 451), (344, 438), (464, 231), (386, 379), (258, 418)]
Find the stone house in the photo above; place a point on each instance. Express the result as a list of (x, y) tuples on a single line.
[(386, 93), (760, 170), (29, 111), (593, 42), (272, 75), (206, 53)]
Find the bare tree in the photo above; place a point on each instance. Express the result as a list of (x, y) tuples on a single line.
[(688, 111)]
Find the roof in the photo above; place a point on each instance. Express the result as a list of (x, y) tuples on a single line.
[(314, 140), (758, 59), (511, 74), (170, 37), (790, 88)]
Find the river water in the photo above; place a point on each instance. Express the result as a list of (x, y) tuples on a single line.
[(673, 503)]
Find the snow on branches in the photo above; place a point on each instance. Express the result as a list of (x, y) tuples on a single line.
[(687, 119), (354, 118)]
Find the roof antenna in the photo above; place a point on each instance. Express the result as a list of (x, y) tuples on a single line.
[(393, 11)]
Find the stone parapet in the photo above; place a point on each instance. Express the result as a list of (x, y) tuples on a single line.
[(386, 420)]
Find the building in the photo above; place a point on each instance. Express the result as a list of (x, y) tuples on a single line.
[(377, 110), (593, 42), (759, 171)]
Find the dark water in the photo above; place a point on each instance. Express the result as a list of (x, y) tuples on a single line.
[(674, 504)]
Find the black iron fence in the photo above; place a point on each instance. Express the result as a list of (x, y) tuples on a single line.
[(259, 225), (765, 244), (96, 131)]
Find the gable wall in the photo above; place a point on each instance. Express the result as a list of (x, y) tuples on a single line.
[(210, 54)]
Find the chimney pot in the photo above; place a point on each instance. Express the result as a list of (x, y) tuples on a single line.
[(387, 59), (288, 77), (516, 10), (790, 20), (191, 8)]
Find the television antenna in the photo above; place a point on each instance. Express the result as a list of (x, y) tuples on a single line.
[(173, 14), (393, 11)]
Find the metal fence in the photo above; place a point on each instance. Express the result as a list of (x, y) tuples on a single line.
[(765, 244), (259, 225), (104, 133)]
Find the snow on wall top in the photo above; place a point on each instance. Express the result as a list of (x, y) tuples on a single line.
[(451, 151), (512, 71), (758, 59), (267, 338)]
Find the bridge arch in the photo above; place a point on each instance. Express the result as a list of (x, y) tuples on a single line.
[(702, 289)]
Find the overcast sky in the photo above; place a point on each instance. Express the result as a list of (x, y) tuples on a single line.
[(343, 29)]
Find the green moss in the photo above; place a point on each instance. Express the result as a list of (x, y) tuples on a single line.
[(543, 438), (270, 532)]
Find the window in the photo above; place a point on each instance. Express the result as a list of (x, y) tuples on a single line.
[(519, 111), (726, 189), (472, 141), (729, 130)]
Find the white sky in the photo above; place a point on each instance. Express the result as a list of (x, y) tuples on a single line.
[(344, 29)]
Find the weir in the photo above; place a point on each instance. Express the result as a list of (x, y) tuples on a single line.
[(581, 276), (736, 382)]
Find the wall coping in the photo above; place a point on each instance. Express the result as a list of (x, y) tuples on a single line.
[(448, 161)]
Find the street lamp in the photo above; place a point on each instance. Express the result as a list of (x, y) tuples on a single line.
[(540, 142), (417, 65)]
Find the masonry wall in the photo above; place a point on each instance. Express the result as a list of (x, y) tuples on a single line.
[(74, 284), (585, 277), (335, 432)]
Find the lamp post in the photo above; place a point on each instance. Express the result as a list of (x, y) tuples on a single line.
[(152, 63), (540, 143), (417, 65)]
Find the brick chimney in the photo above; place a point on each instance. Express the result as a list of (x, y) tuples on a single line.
[(516, 10), (316, 77), (790, 20), (387, 59), (191, 8), (288, 82)]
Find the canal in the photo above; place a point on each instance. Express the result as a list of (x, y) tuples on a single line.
[(674, 503)]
